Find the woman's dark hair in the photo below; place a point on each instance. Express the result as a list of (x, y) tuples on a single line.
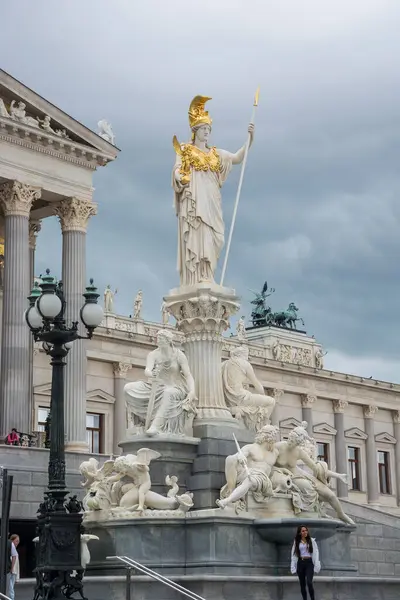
[(297, 541)]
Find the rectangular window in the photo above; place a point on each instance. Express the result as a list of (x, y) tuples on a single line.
[(353, 457), (94, 432), (42, 416), (323, 452), (384, 474)]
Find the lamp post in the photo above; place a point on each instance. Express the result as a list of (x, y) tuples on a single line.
[(59, 524)]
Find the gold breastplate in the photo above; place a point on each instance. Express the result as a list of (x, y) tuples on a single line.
[(194, 158)]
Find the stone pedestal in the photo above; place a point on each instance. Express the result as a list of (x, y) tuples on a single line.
[(202, 313)]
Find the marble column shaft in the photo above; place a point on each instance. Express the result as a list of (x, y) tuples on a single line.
[(74, 214), (340, 447), (307, 400), (396, 426), (16, 199), (371, 455), (120, 413), (34, 228), (275, 416)]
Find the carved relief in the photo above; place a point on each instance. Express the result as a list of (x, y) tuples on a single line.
[(17, 198), (34, 227), (396, 416), (74, 214)]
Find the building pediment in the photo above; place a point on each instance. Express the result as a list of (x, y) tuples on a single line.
[(356, 434), (100, 396), (324, 428), (43, 389), (26, 115), (289, 423), (386, 438)]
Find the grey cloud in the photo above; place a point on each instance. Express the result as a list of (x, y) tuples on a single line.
[(319, 216)]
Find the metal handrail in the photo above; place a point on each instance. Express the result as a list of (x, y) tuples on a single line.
[(157, 576), (4, 596)]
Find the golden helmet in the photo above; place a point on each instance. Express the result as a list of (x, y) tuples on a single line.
[(197, 114)]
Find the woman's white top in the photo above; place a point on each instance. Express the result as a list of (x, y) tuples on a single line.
[(304, 553)]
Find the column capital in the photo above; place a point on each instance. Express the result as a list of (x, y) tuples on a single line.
[(339, 406), (277, 393), (370, 411), (35, 226), (307, 400), (16, 198), (74, 214), (396, 416), (121, 369)]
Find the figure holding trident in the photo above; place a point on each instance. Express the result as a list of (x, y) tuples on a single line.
[(199, 172)]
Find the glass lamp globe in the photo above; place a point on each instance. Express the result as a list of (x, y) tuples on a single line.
[(33, 318), (68, 345), (49, 305), (92, 315)]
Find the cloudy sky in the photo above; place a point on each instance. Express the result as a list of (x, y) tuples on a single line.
[(320, 212)]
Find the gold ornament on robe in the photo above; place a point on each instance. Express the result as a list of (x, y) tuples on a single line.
[(191, 156)]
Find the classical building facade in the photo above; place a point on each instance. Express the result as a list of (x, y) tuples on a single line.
[(355, 421), (47, 162)]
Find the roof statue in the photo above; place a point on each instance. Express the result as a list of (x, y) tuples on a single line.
[(263, 316)]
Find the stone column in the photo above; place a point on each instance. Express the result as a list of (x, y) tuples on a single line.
[(396, 427), (74, 215), (307, 400), (120, 415), (202, 313), (16, 200), (340, 446), (277, 394), (34, 228), (371, 456)]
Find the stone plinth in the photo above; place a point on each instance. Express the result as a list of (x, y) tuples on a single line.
[(177, 456), (287, 345), (202, 313)]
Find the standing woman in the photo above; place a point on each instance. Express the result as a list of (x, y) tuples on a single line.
[(305, 560)]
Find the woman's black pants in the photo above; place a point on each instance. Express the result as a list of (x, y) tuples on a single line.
[(305, 573)]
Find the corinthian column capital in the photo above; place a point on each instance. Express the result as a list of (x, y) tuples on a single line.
[(121, 369), (34, 227), (339, 406), (307, 400), (74, 214), (16, 198), (370, 411)]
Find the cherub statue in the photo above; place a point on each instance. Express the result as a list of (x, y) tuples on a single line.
[(253, 407), (133, 489), (106, 131), (97, 482)]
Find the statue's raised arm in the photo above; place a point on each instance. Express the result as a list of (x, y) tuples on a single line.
[(199, 173)]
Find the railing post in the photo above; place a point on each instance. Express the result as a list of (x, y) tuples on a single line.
[(128, 583)]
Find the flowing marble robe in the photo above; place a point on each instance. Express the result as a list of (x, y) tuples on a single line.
[(200, 221)]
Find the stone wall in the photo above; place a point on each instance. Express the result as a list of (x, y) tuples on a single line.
[(29, 469)]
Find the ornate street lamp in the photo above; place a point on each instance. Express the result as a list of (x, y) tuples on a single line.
[(59, 524)]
